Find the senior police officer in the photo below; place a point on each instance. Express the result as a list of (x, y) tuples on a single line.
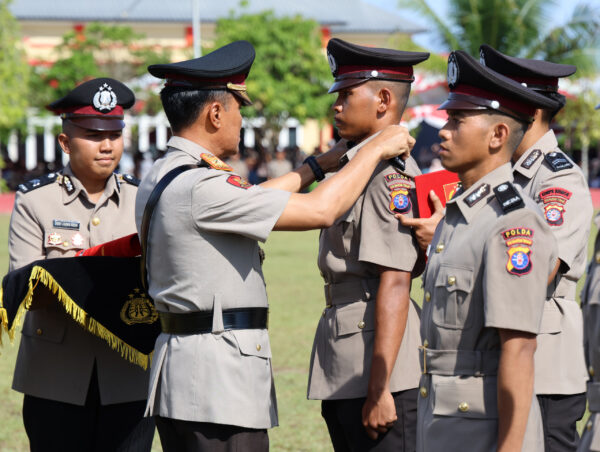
[(211, 381), (559, 188), (79, 394), (485, 283), (365, 363)]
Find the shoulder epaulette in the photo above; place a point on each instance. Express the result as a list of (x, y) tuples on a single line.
[(31, 185), (558, 161), (508, 197), (215, 162), (129, 179)]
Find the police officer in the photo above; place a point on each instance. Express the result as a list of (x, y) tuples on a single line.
[(364, 364), (80, 395), (489, 264), (211, 385), (559, 188)]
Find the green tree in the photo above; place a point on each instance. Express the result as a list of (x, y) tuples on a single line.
[(99, 50), (14, 71), (518, 28), (290, 75)]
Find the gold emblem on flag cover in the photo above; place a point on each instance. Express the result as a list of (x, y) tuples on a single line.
[(138, 309)]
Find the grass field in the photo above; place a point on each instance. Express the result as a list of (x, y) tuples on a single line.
[(296, 299)]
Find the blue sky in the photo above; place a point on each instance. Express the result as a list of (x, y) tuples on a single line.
[(559, 14)]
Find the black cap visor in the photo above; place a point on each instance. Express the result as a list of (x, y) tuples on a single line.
[(457, 101), (97, 123)]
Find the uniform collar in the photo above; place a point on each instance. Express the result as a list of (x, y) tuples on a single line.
[(72, 187), (533, 157), (187, 146), (478, 195), (349, 155)]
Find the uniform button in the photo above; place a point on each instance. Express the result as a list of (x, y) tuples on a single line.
[(425, 343), (258, 347), (65, 243), (598, 257), (451, 280), (423, 391), (324, 312), (361, 324), (38, 331), (95, 221), (427, 296), (591, 371), (588, 426), (463, 406), (439, 248)]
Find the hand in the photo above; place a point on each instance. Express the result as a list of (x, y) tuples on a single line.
[(330, 161), (424, 228), (379, 415), (392, 141)]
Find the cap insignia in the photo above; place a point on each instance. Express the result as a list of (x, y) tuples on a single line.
[(452, 71), (332, 63), (105, 98)]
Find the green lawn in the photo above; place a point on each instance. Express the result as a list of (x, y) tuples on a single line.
[(296, 299)]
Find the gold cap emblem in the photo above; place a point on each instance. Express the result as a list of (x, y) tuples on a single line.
[(138, 309)]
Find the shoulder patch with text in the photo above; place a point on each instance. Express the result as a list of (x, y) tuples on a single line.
[(555, 199), (399, 186), (518, 241), (239, 181), (558, 161)]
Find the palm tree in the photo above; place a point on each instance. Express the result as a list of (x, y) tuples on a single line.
[(519, 28)]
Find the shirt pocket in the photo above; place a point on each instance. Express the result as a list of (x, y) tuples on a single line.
[(452, 297), (61, 242), (253, 342), (358, 317), (473, 397), (45, 325)]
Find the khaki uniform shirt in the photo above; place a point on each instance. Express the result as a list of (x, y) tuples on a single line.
[(56, 355), (350, 251), (204, 255), (564, 197), (487, 269), (590, 304)]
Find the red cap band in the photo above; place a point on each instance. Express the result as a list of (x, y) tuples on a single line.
[(505, 102), (401, 70), (88, 110)]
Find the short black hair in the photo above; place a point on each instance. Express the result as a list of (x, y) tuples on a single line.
[(401, 91), (183, 105), (517, 128)]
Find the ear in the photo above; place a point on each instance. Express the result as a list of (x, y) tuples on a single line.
[(64, 142), (384, 100), (215, 114), (500, 134)]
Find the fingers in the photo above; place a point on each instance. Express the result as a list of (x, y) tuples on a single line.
[(436, 201), (410, 222), (371, 433)]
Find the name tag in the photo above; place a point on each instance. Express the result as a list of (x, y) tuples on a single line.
[(66, 224)]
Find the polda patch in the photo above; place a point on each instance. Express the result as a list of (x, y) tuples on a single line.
[(519, 241)]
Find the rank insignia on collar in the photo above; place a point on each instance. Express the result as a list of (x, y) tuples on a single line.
[(477, 195), (138, 309), (400, 202), (531, 158), (239, 181), (518, 241), (558, 161), (54, 239), (66, 181), (215, 162), (554, 200)]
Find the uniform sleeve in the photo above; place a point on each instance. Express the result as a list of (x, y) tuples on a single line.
[(25, 234), (567, 205), (383, 240), (518, 258), (227, 203)]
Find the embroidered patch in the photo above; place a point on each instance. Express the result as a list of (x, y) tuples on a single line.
[(215, 162), (518, 241), (392, 178), (450, 189), (531, 158), (400, 202), (54, 239), (66, 224), (554, 200), (138, 309), (239, 181), (558, 161), (477, 195)]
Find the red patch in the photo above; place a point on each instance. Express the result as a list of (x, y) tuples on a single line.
[(554, 200), (518, 241), (239, 182)]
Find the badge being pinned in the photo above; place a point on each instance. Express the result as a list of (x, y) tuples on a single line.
[(239, 181), (215, 162), (518, 241), (554, 200)]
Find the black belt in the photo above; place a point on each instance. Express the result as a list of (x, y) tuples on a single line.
[(200, 322)]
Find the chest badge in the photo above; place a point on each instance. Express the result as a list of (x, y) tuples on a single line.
[(518, 241), (138, 309), (54, 239), (77, 240)]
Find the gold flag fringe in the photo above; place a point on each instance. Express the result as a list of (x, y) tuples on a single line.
[(40, 275)]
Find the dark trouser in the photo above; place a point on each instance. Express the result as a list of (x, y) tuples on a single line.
[(560, 414), (187, 436), (344, 422), (57, 426)]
